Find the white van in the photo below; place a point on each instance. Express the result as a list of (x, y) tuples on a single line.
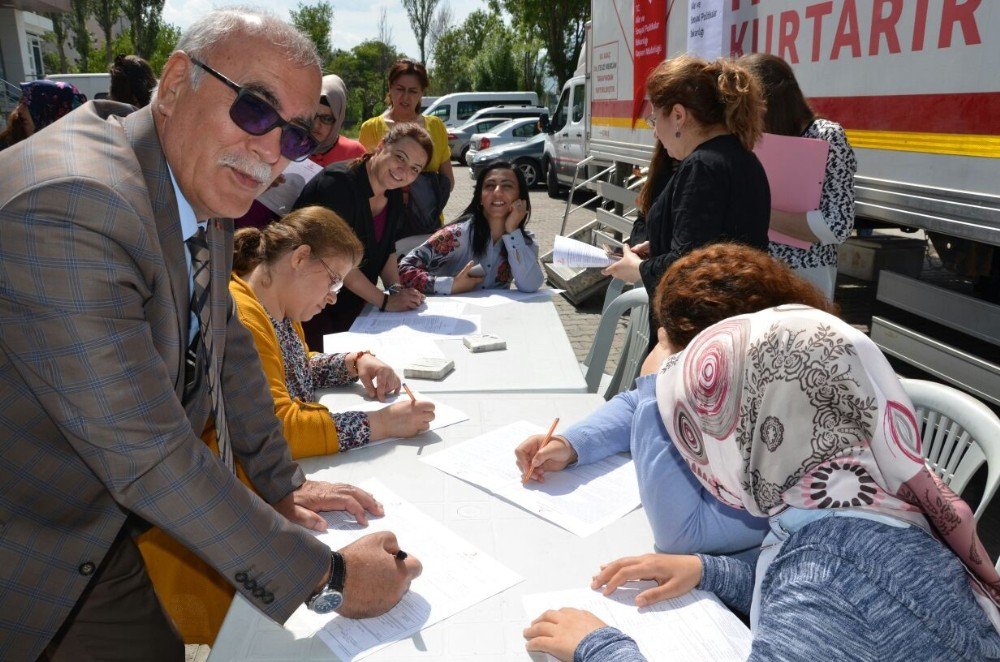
[(94, 86), (512, 112), (454, 109)]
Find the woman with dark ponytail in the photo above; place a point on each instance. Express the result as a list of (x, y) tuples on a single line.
[(132, 80), (708, 116)]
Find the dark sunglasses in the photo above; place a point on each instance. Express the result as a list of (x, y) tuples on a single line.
[(252, 113)]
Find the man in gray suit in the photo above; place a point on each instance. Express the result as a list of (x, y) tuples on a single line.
[(101, 405)]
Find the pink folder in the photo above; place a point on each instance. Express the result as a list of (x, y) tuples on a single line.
[(795, 170)]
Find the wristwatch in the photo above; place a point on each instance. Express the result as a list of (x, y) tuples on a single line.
[(330, 596)]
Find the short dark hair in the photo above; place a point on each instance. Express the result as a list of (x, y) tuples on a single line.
[(132, 80), (406, 66)]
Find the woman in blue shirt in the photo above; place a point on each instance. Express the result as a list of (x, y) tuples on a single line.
[(794, 415), (487, 247), (701, 288)]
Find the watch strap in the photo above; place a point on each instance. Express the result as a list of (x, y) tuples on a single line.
[(338, 572)]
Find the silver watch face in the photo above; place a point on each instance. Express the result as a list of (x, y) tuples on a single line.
[(327, 601)]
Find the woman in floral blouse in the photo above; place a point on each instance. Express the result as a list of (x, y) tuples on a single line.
[(487, 247), (789, 114)]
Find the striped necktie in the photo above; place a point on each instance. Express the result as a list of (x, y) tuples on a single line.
[(202, 272)]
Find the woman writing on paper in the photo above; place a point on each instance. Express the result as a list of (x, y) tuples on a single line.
[(789, 114), (283, 275), (487, 247), (707, 115), (792, 414), (701, 288), (367, 194)]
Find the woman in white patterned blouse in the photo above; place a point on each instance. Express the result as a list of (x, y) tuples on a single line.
[(789, 114)]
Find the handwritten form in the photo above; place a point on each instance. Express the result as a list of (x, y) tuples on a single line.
[(436, 318), (695, 627), (354, 400), (456, 576), (281, 198), (572, 253), (581, 499)]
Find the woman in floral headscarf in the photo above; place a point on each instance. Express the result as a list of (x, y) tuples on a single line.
[(42, 103), (794, 415)]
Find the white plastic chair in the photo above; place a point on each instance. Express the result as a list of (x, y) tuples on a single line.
[(636, 303), (958, 434)]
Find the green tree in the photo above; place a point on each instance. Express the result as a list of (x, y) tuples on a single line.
[(452, 65), (494, 68), (316, 21), (82, 41), (121, 44), (106, 12), (145, 19), (421, 15), (57, 37), (560, 26), (165, 44), (363, 69)]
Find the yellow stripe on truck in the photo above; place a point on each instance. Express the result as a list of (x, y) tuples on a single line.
[(957, 144)]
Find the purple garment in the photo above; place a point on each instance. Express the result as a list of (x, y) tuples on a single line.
[(48, 100)]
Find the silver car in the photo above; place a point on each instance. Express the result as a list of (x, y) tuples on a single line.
[(458, 138), (513, 131)]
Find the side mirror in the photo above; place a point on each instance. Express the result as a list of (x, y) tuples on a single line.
[(543, 123)]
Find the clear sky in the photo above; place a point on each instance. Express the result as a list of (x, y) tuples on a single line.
[(354, 21)]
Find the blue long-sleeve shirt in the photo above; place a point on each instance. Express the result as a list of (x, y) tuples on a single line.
[(684, 516), (845, 589)]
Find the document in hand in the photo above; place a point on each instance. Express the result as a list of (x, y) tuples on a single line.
[(456, 576), (581, 499), (695, 627), (795, 170), (281, 198), (572, 253)]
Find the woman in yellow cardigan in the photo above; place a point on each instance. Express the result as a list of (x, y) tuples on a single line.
[(285, 274)]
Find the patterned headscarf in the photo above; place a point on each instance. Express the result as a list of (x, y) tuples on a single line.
[(334, 95), (49, 100), (792, 407)]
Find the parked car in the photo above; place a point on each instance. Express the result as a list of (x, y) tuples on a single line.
[(458, 138), (458, 107), (526, 157), (509, 132), (511, 111)]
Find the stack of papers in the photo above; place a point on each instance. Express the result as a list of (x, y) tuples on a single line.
[(572, 253), (581, 499), (456, 576), (695, 627)]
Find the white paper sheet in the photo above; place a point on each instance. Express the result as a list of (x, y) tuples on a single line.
[(572, 253), (490, 298), (581, 499), (444, 415), (456, 576), (436, 317), (398, 350), (695, 627), (281, 198)]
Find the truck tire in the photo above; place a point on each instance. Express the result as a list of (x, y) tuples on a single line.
[(551, 181), (461, 157), (529, 168)]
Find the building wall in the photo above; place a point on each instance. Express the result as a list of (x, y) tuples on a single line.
[(19, 30)]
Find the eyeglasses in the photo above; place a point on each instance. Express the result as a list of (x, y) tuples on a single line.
[(336, 282), (325, 119), (651, 121), (255, 115)]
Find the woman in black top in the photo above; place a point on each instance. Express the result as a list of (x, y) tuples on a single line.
[(367, 193), (707, 115)]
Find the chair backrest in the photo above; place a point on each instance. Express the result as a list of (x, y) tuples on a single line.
[(635, 302), (958, 435)]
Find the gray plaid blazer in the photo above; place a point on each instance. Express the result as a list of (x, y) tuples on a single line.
[(93, 326)]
